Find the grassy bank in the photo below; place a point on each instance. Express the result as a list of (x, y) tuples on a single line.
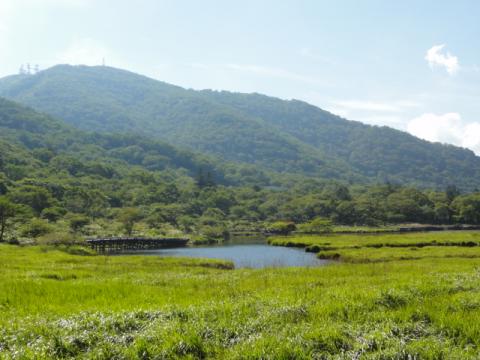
[(60, 305), (387, 247), (338, 241)]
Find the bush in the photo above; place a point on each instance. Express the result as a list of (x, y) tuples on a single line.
[(281, 227), (53, 213), (317, 226), (59, 238), (214, 232), (78, 221), (36, 228)]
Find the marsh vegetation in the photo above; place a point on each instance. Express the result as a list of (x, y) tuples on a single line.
[(56, 304)]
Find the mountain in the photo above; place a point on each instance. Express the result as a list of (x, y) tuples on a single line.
[(32, 141), (52, 173), (290, 137)]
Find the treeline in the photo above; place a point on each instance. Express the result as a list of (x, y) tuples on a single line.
[(145, 203), (57, 182), (288, 137)]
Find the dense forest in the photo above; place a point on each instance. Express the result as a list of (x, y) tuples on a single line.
[(58, 182), (287, 137)]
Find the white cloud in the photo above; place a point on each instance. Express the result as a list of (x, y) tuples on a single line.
[(369, 112), (374, 107), (472, 137), (447, 128), (55, 3), (84, 51), (435, 57), (397, 122), (5, 16), (392, 112), (274, 72), (13, 16), (5, 10), (308, 53), (367, 105)]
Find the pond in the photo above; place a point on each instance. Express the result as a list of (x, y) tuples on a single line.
[(246, 253)]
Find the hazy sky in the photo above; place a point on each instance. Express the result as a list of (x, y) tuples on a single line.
[(413, 65)]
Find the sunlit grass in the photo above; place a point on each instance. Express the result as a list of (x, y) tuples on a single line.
[(404, 253), (339, 241), (59, 305)]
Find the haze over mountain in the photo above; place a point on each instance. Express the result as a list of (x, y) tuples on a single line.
[(283, 136), (31, 141)]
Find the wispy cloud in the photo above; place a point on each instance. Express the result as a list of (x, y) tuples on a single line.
[(436, 57), (56, 3), (6, 8), (12, 12), (201, 66), (447, 128), (308, 53), (85, 51), (389, 113), (274, 72), (44, 4), (367, 105)]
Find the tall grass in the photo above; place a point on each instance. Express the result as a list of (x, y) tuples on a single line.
[(59, 305)]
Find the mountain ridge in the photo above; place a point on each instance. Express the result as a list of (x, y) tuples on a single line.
[(285, 136)]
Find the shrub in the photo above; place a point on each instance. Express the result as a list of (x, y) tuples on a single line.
[(214, 232), (281, 227), (53, 213), (35, 228), (318, 226), (78, 221), (59, 238)]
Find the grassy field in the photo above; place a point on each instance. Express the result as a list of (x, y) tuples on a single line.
[(387, 247), (365, 229), (54, 304)]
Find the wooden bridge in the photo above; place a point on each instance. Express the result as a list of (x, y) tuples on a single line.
[(119, 244)]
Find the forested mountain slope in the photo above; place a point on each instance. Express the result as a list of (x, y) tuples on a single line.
[(371, 150), (53, 173), (284, 136), (30, 140)]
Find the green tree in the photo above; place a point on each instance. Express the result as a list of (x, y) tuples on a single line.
[(3, 188), (37, 197), (7, 211), (128, 217), (317, 226), (451, 192), (77, 222), (35, 228), (281, 227), (53, 214), (467, 208)]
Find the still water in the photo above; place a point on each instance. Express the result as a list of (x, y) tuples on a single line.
[(246, 253)]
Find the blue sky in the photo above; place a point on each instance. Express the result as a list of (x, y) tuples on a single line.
[(412, 65)]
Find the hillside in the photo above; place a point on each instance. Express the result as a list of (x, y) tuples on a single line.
[(39, 135), (292, 137), (54, 173)]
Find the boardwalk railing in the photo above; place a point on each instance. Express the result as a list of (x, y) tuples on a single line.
[(119, 244)]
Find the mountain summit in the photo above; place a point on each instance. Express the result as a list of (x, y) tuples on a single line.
[(279, 135)]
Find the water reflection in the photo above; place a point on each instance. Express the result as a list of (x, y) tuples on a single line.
[(246, 253)]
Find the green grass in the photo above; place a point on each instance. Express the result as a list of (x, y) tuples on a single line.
[(365, 229), (341, 241), (60, 305), (364, 255), (363, 248)]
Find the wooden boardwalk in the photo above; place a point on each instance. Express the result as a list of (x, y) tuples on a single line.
[(120, 244)]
